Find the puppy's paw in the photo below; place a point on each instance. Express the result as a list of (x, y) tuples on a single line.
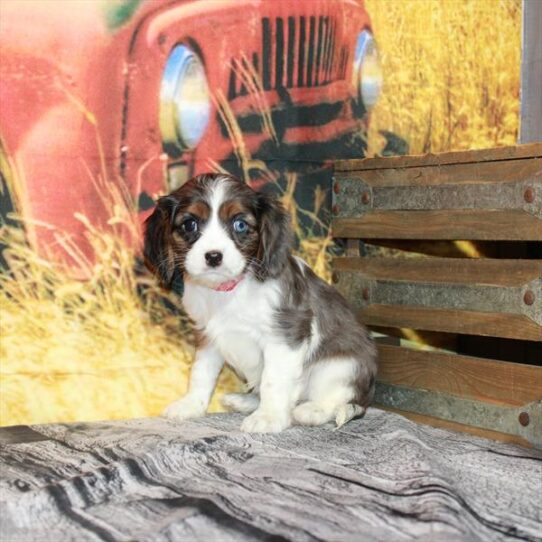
[(311, 413), (241, 402), (185, 409), (262, 422)]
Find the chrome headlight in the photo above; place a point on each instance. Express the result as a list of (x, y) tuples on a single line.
[(185, 104), (367, 71)]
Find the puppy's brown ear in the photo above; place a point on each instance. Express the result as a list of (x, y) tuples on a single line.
[(157, 249), (275, 236)]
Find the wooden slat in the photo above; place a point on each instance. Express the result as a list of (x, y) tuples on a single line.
[(510, 326), (484, 155), (499, 382), (472, 224), (473, 173), (459, 427), (444, 270)]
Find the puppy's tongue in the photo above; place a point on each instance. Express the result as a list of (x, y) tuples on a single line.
[(229, 285)]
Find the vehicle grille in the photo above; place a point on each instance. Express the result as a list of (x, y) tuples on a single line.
[(295, 52)]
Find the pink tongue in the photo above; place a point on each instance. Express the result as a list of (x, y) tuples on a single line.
[(228, 285)]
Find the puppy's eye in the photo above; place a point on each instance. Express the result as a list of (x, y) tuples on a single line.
[(240, 226), (190, 225)]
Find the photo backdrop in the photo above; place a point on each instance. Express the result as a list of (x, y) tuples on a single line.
[(105, 105)]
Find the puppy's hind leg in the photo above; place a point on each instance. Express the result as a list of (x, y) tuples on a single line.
[(333, 393), (241, 402)]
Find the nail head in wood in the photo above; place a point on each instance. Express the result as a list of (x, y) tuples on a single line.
[(528, 297), (524, 419), (529, 194), (336, 188), (365, 197), (365, 294), (334, 278), (335, 209)]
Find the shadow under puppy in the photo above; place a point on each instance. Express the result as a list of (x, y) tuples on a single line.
[(291, 336)]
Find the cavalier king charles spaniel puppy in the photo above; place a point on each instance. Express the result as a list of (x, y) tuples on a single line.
[(289, 335)]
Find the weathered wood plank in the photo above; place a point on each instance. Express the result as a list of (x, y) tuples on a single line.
[(381, 477), (511, 326), (485, 155), (459, 427), (470, 173), (475, 297), (472, 224), (482, 414), (486, 380), (444, 270)]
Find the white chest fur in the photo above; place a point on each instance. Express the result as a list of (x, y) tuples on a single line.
[(238, 322)]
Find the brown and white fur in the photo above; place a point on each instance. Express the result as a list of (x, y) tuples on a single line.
[(290, 335)]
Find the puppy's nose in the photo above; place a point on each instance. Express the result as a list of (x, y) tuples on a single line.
[(213, 259)]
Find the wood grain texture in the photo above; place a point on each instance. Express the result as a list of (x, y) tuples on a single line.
[(509, 326), (470, 173), (530, 150), (459, 427), (498, 382), (483, 225), (19, 433), (378, 478), (444, 270)]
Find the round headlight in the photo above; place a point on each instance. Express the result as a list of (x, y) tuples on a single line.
[(367, 71), (185, 104)]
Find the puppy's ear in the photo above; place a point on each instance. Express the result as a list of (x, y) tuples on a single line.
[(157, 250), (275, 236)]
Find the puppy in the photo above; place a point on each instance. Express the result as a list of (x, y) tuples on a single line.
[(287, 333)]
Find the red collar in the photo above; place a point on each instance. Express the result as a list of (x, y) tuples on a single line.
[(229, 285)]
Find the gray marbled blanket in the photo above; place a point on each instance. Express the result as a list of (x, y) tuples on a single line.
[(377, 478)]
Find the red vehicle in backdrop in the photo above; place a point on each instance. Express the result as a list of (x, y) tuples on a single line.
[(149, 93)]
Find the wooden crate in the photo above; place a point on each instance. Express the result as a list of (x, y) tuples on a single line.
[(418, 202)]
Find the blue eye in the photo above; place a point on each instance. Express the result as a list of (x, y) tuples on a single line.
[(190, 225), (240, 225)]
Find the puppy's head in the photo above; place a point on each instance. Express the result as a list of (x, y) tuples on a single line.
[(215, 229)]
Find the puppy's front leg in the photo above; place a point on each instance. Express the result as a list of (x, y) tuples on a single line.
[(279, 390), (203, 379)]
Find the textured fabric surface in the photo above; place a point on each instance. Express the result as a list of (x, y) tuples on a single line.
[(377, 478)]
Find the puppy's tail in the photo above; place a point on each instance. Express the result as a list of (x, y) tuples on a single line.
[(348, 412)]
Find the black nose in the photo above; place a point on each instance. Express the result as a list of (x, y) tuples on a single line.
[(213, 259)]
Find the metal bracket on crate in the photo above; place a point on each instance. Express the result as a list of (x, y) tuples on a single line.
[(524, 421), (354, 198), (525, 300)]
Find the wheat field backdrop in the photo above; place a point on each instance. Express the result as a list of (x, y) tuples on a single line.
[(73, 350), (451, 72)]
